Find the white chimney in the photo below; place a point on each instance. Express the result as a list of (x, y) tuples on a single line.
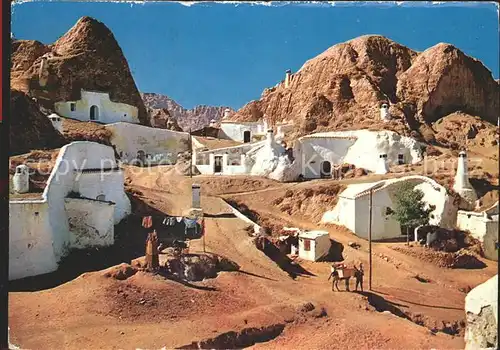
[(21, 179), (382, 165), (213, 123), (227, 111), (384, 112), (461, 184), (269, 136), (288, 78), (56, 122), (196, 196)]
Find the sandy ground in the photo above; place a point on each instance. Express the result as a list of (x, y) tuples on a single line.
[(145, 311)]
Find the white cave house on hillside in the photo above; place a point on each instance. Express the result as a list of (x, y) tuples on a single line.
[(83, 199), (96, 106), (352, 209), (319, 152)]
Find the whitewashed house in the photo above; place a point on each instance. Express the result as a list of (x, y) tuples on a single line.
[(131, 140), (319, 152), (83, 199), (97, 106), (484, 227), (243, 131), (314, 245), (352, 209)]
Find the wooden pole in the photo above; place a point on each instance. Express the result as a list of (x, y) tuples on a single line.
[(370, 242), (190, 155)]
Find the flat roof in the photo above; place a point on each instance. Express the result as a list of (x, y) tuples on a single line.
[(313, 234)]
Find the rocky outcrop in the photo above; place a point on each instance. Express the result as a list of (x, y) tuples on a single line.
[(193, 119), (86, 57), (482, 316), (344, 87), (161, 118), (29, 128)]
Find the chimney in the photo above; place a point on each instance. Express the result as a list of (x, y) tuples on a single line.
[(269, 136), (382, 166), (56, 122), (21, 180), (195, 188), (461, 184), (384, 112), (227, 111), (288, 77), (213, 123)]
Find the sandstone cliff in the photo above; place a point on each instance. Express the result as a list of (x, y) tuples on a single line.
[(86, 57), (344, 87), (193, 119), (29, 127)]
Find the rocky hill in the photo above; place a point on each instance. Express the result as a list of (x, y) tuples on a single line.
[(344, 87), (193, 119), (86, 57), (29, 127)]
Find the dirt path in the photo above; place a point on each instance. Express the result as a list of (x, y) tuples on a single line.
[(260, 295)]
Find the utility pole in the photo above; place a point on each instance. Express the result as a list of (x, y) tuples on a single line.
[(190, 155), (370, 242)]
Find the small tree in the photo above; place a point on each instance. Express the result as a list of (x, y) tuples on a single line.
[(409, 208)]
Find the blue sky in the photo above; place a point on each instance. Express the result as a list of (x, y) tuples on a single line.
[(226, 54)]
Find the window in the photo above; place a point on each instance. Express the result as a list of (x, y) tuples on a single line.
[(72, 106), (401, 159), (101, 197), (388, 211), (307, 245)]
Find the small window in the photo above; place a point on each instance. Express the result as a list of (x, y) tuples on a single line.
[(72, 106), (36, 213), (388, 211), (401, 159), (307, 245), (19, 170)]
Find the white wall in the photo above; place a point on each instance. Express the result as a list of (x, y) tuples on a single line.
[(30, 240), (234, 131), (110, 184), (109, 111), (90, 222), (363, 152), (483, 229), (63, 180), (208, 169), (352, 211), (383, 226), (312, 152), (307, 254), (130, 138)]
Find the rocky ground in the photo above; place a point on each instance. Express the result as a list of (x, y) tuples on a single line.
[(413, 304)]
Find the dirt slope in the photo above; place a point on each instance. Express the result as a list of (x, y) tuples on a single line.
[(86, 57)]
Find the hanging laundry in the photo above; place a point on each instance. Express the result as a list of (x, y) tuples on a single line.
[(190, 223), (179, 218), (166, 221), (147, 221), (172, 221)]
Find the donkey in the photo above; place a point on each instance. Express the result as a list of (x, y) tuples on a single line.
[(356, 273)]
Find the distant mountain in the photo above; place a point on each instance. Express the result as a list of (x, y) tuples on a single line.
[(195, 118)]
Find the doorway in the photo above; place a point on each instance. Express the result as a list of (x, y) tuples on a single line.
[(94, 113), (326, 169), (401, 159), (218, 164), (246, 136)]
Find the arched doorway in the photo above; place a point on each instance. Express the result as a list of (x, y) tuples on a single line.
[(246, 136), (326, 169), (94, 113)]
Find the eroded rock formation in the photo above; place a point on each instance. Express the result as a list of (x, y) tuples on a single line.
[(86, 57), (344, 87)]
